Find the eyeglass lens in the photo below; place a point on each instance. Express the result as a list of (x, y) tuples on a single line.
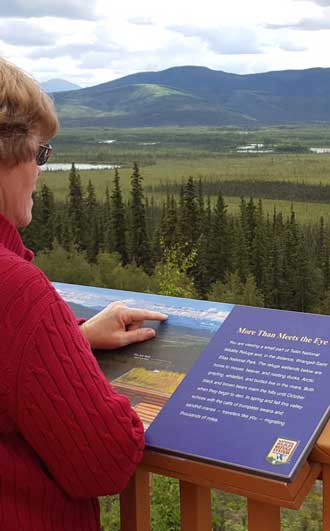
[(43, 154)]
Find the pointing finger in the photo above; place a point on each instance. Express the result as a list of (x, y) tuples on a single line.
[(137, 314), (138, 335)]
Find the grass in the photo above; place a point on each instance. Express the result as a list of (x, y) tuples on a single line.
[(171, 154), (294, 168), (312, 169)]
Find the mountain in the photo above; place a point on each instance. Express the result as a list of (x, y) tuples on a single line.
[(191, 95), (58, 85)]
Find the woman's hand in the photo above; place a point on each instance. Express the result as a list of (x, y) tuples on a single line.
[(117, 326)]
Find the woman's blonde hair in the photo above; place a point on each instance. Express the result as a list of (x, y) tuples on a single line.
[(27, 115)]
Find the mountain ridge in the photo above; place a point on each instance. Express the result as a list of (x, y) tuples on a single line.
[(191, 95), (58, 85)]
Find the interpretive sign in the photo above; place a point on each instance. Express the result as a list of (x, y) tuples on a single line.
[(149, 372), (247, 388), (257, 397)]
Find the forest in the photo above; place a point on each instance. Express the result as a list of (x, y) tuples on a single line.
[(187, 246)]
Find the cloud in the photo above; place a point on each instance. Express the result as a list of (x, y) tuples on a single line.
[(224, 40), (74, 50), (140, 21), (24, 33), (73, 9), (288, 46), (98, 60), (324, 3), (304, 24)]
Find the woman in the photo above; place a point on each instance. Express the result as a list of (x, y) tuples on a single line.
[(65, 436)]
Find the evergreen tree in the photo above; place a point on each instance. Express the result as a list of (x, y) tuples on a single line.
[(105, 223), (274, 282), (219, 246), (323, 253), (47, 215), (66, 234), (276, 293), (260, 248), (201, 267), (266, 263), (118, 220), (240, 262), (309, 280), (168, 223), (139, 245), (92, 235), (180, 219), (76, 211), (290, 261), (190, 221), (201, 206), (153, 213), (248, 224)]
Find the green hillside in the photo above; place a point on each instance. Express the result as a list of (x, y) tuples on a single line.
[(189, 96), (139, 105)]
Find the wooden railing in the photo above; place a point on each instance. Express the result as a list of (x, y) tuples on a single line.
[(265, 496)]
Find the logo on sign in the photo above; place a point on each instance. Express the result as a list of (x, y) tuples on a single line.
[(281, 451)]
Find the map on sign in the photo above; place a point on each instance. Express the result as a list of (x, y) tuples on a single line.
[(148, 373)]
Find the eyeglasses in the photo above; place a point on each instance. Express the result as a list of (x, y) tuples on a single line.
[(43, 154)]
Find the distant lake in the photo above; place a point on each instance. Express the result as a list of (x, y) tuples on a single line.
[(320, 150), (253, 148), (66, 166)]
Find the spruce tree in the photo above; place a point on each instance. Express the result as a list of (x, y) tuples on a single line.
[(260, 247), (92, 234), (219, 248), (168, 223), (180, 219), (139, 245), (201, 270), (297, 273), (47, 215), (106, 222), (201, 206), (323, 252), (190, 215), (240, 262), (249, 223), (118, 221), (76, 211), (275, 293), (267, 271)]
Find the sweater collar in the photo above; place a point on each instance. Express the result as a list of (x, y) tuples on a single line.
[(11, 239)]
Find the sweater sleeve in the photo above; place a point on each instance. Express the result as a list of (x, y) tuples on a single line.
[(87, 435)]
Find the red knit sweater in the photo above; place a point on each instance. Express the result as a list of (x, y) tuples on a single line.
[(66, 436)]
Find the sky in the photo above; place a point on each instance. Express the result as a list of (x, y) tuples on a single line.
[(90, 44)]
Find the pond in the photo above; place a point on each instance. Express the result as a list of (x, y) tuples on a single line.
[(320, 149), (66, 166), (253, 148)]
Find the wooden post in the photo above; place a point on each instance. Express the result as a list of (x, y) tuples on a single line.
[(195, 503), (263, 516), (135, 503), (326, 497)]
